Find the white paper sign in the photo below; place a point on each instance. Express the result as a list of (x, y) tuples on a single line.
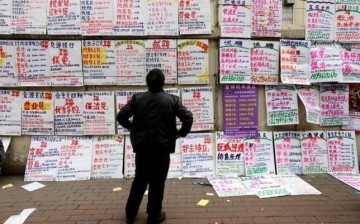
[(97, 17), (235, 21), (320, 22), (10, 112), (129, 17), (264, 186), (229, 186), (8, 61), (295, 185), (29, 17), (6, 14), (162, 17), (310, 96), (176, 166), (129, 161), (194, 17), (63, 17)]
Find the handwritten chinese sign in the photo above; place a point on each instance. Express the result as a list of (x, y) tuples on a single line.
[(63, 17), (29, 16), (97, 17), (194, 17), (10, 112)]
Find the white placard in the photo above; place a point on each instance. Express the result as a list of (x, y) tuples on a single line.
[(97, 17), (8, 61), (310, 96), (129, 17), (194, 17), (264, 186), (29, 16), (235, 20), (229, 186), (266, 18), (320, 21), (176, 166), (63, 17), (6, 14), (129, 161), (295, 185), (162, 18), (10, 112)]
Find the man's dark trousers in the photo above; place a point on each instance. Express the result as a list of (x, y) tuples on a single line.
[(152, 168)]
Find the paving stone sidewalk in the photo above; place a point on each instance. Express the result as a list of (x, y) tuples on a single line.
[(95, 201)]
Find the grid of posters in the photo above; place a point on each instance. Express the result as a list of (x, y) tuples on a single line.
[(129, 161), (200, 102), (334, 104), (281, 105), (295, 60), (193, 61), (240, 110), (314, 152), (162, 17), (8, 61), (97, 17), (194, 17), (37, 113), (99, 113), (29, 16), (235, 21), (310, 96), (229, 186), (63, 17), (287, 147), (197, 155), (229, 155), (265, 63), (266, 18), (10, 112), (235, 64)]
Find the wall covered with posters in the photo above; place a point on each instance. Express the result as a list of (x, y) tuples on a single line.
[(67, 69)]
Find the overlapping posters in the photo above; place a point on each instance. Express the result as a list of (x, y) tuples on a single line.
[(193, 61), (97, 17), (342, 152), (130, 62), (10, 112), (197, 155), (334, 104), (162, 18), (8, 73), (229, 186), (29, 16), (37, 113), (98, 62), (351, 179), (235, 21), (129, 18), (43, 159), (75, 153), (347, 14), (63, 17), (235, 64), (320, 22), (107, 156), (200, 102), (122, 97), (229, 155), (326, 64), (264, 186), (350, 57), (240, 110), (68, 113), (295, 185), (265, 63), (288, 152), (314, 152), (162, 54), (66, 64), (32, 61), (194, 17), (310, 96), (259, 155), (354, 107), (99, 113), (176, 167), (266, 18), (295, 60), (6, 14), (129, 161), (281, 105)]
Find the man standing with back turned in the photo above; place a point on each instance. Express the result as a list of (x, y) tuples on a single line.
[(153, 134)]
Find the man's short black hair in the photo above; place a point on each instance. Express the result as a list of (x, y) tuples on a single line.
[(155, 80)]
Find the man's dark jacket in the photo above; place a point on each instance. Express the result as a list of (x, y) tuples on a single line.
[(154, 121)]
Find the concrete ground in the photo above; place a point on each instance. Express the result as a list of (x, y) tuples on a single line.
[(95, 201)]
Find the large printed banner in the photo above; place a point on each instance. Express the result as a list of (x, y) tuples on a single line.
[(295, 60), (8, 74), (163, 16), (342, 152), (193, 61), (10, 112), (130, 62), (66, 64), (29, 16), (68, 114), (265, 63), (200, 102), (97, 17), (259, 155), (194, 17), (320, 22), (6, 15), (314, 152), (235, 21), (99, 113), (288, 152), (347, 21), (354, 108), (229, 155), (266, 18), (197, 155), (334, 104), (98, 62), (281, 105), (37, 113), (350, 57), (129, 17), (240, 110), (235, 64), (63, 17), (310, 96)]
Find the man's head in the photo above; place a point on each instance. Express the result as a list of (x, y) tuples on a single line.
[(155, 80)]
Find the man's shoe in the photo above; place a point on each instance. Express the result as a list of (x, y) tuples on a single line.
[(130, 220), (156, 219)]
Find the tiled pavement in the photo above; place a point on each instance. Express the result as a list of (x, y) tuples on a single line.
[(95, 201)]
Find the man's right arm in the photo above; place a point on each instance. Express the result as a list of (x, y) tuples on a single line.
[(185, 117), (125, 113)]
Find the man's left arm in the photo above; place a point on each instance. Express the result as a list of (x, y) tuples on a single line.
[(125, 113)]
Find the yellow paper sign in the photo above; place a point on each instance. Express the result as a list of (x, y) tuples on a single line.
[(7, 186), (203, 202), (117, 189)]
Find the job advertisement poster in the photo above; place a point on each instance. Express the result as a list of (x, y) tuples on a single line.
[(320, 22), (310, 96), (29, 16), (63, 17), (6, 14), (8, 61), (10, 112), (97, 17), (194, 17)]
